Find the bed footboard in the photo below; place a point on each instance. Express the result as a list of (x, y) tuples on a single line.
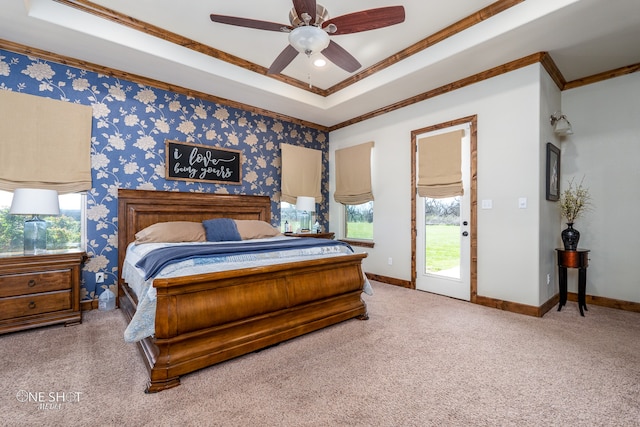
[(206, 319)]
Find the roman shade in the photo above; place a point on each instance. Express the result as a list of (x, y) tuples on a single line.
[(439, 165), (353, 175), (44, 143), (301, 173)]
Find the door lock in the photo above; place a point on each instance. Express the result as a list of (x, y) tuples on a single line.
[(465, 233)]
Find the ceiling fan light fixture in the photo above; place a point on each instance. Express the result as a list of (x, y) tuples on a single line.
[(309, 39), (309, 34)]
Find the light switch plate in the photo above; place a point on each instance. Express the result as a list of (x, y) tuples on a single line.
[(487, 204), (522, 202)]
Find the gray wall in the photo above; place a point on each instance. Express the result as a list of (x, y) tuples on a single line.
[(605, 150), (516, 246)]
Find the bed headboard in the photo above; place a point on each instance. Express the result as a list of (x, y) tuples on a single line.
[(138, 209)]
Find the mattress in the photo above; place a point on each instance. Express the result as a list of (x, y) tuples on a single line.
[(142, 324)]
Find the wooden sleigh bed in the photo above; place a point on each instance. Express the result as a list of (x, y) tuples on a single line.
[(208, 318)]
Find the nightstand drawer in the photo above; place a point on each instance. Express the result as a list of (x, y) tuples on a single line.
[(34, 304), (33, 283)]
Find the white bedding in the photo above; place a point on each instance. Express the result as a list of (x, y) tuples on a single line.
[(143, 323)]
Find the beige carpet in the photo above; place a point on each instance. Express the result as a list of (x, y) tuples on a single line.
[(420, 360)]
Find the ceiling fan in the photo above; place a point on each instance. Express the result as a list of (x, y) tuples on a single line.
[(310, 28)]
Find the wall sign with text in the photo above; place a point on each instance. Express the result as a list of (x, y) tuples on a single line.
[(195, 162)]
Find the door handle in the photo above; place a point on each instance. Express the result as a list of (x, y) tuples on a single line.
[(465, 233)]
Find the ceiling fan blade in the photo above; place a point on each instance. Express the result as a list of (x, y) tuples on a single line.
[(366, 20), (343, 59), (249, 23), (286, 56), (308, 6)]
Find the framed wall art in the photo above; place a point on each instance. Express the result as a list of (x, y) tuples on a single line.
[(195, 162), (553, 172)]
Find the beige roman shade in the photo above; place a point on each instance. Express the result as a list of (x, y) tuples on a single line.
[(353, 175), (439, 165), (301, 173), (44, 143)]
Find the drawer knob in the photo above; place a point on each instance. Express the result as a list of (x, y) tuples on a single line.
[(32, 283), (32, 304)]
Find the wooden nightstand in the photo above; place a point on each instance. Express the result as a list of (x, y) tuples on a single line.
[(328, 235), (40, 290)]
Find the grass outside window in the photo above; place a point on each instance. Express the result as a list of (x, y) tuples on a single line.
[(359, 221), (442, 247)]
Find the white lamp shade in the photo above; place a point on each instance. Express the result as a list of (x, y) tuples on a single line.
[(563, 127), (34, 201), (305, 203), (309, 39)]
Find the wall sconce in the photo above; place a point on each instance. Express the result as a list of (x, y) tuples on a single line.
[(34, 202), (305, 204), (561, 125)]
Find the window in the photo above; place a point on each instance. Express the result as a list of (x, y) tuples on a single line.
[(289, 214), (354, 191), (442, 236), (63, 232), (359, 221)]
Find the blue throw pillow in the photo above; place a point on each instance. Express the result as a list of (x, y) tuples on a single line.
[(221, 230)]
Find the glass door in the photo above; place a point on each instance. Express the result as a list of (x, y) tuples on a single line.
[(443, 243)]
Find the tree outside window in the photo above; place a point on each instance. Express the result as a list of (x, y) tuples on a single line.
[(359, 221), (288, 214)]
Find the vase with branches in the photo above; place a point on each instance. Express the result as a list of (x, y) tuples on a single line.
[(575, 200)]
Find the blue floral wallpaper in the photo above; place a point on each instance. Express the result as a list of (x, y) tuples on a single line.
[(130, 125)]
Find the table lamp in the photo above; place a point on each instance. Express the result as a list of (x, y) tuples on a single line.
[(34, 202), (305, 204)]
